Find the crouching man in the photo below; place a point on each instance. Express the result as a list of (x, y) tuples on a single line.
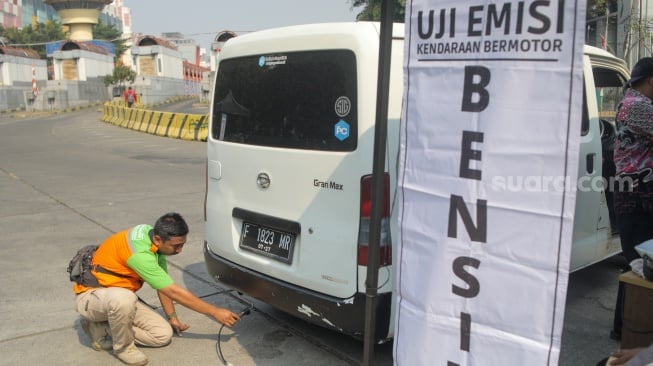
[(113, 317)]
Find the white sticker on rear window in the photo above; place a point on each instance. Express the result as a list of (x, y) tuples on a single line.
[(272, 60)]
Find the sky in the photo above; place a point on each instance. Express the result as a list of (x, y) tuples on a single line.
[(202, 20)]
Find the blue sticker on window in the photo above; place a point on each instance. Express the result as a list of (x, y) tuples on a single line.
[(261, 61), (341, 130)]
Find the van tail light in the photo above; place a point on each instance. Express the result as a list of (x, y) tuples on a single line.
[(385, 245), (206, 185)]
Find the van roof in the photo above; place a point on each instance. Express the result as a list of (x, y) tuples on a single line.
[(597, 51), (601, 57), (326, 28), (305, 35), (309, 36)]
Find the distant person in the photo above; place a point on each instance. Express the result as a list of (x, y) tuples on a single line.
[(633, 158), (113, 316), (130, 96)]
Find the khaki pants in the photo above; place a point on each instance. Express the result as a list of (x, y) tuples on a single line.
[(130, 321)]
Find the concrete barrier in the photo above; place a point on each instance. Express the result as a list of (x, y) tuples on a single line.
[(131, 119), (192, 127), (142, 125), (201, 129), (167, 118), (124, 122), (178, 123), (107, 114), (194, 123), (163, 123)]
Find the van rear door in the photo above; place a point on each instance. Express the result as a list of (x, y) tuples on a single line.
[(284, 172), (594, 237)]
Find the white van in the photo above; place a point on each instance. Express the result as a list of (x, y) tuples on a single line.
[(289, 165)]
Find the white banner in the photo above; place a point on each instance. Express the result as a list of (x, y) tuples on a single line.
[(489, 159)]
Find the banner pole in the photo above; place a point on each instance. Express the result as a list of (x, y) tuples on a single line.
[(378, 171)]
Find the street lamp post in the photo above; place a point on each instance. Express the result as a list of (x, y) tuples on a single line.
[(639, 32), (378, 171)]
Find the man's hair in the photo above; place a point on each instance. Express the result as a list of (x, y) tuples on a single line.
[(638, 83), (642, 70), (170, 225)]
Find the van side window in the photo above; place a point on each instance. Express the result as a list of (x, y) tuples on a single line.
[(298, 100), (585, 123)]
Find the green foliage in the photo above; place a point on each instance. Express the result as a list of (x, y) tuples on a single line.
[(121, 75), (110, 33), (51, 31), (596, 8), (372, 10), (34, 37)]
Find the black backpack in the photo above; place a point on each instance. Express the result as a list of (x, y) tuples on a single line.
[(80, 267)]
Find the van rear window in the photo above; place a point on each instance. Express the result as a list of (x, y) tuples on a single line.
[(298, 100)]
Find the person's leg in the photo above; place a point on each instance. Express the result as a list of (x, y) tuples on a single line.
[(634, 229), (642, 231), (150, 328), (626, 225), (93, 323), (88, 307), (115, 305), (617, 321)]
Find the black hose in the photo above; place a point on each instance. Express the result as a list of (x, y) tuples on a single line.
[(218, 348)]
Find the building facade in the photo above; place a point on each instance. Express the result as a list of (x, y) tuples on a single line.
[(166, 66), (25, 13), (625, 29)]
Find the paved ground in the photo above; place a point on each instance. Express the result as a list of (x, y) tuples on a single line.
[(67, 180)]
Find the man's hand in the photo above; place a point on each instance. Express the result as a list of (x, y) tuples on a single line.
[(191, 301), (623, 355), (178, 326), (225, 316)]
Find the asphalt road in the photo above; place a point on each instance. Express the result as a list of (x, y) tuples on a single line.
[(68, 180)]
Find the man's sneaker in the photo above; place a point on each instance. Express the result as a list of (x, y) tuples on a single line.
[(97, 331), (132, 356)]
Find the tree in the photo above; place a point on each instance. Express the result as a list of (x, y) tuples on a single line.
[(597, 8), (121, 75), (372, 9), (37, 36), (34, 37), (636, 35), (110, 33)]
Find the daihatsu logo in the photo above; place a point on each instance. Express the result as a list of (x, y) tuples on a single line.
[(263, 180)]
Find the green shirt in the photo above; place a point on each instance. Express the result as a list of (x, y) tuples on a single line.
[(150, 266)]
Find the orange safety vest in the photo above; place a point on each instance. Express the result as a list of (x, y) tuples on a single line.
[(112, 255)]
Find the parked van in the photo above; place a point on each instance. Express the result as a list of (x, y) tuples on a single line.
[(289, 167)]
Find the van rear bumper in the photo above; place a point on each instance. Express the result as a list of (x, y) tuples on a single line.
[(342, 315)]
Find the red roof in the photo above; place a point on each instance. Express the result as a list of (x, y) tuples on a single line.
[(153, 40), (20, 52), (74, 45)]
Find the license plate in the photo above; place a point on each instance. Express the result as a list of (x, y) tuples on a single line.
[(267, 241)]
